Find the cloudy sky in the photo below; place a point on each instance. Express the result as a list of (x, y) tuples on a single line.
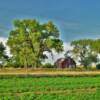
[(75, 18)]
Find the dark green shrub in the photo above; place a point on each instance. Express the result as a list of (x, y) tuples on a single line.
[(98, 66), (48, 65)]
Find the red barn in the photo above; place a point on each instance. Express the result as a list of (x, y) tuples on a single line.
[(65, 63)]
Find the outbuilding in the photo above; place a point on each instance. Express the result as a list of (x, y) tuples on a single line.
[(65, 63)]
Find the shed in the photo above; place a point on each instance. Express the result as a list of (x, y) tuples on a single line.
[(65, 63)]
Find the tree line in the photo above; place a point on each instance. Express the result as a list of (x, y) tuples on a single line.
[(29, 40)]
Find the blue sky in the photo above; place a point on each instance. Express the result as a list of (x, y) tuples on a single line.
[(75, 18)]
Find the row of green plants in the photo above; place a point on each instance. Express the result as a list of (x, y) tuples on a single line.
[(76, 96), (47, 88), (18, 85)]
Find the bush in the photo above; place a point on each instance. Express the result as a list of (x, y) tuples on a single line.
[(98, 66), (48, 65)]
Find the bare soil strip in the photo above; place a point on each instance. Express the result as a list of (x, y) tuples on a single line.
[(67, 92), (52, 73)]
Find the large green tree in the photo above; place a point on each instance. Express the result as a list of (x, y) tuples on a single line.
[(30, 39), (85, 51)]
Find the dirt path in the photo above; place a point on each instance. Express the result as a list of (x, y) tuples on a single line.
[(52, 73)]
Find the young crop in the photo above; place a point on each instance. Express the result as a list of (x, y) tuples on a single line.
[(50, 88)]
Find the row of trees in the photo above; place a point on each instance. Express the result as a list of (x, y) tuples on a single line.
[(29, 40)]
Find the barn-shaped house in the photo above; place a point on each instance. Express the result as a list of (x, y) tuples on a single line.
[(65, 63)]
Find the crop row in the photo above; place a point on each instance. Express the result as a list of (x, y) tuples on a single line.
[(47, 88)]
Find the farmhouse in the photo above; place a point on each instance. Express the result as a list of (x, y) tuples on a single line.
[(65, 63)]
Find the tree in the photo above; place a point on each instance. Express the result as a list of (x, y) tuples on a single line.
[(30, 39), (93, 44), (67, 53), (84, 52), (3, 56)]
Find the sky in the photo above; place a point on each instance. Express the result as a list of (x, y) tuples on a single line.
[(76, 19)]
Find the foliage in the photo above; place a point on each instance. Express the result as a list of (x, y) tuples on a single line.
[(48, 65), (67, 54), (3, 56), (84, 53), (30, 39), (94, 44), (98, 66)]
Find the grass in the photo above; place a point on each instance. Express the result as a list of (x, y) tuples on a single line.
[(48, 72), (50, 88)]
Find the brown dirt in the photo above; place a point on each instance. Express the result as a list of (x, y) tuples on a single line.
[(67, 92)]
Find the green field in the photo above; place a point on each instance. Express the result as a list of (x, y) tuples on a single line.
[(50, 88)]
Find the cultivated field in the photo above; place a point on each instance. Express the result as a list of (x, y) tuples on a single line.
[(50, 88)]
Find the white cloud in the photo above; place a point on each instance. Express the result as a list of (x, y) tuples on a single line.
[(67, 47), (4, 40)]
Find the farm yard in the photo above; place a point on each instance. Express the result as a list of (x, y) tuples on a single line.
[(51, 51), (50, 87)]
